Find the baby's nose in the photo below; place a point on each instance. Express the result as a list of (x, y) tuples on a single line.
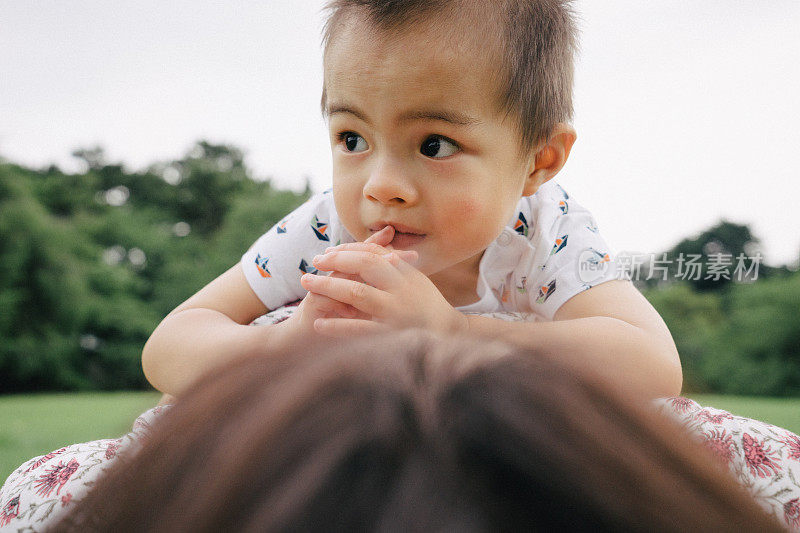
[(389, 185)]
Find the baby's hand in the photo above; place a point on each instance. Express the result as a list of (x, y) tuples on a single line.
[(317, 306), (387, 291)]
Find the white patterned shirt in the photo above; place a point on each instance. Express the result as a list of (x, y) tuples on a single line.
[(550, 251)]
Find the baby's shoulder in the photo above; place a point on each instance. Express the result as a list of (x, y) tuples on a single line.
[(545, 268), (318, 205), (551, 209), (550, 196), (315, 220)]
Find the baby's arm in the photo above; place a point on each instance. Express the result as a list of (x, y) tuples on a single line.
[(211, 328), (207, 330), (610, 329)]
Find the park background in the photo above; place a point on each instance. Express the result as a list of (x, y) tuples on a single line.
[(144, 147)]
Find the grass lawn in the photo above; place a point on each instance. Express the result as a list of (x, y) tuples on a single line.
[(34, 424)]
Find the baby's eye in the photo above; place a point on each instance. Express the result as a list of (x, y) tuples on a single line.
[(438, 147), (353, 142)]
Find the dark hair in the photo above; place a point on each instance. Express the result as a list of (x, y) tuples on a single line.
[(413, 432), (535, 39)]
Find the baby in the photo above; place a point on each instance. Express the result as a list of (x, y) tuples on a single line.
[(447, 122)]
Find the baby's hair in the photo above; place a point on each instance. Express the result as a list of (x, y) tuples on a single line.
[(413, 432), (536, 40)]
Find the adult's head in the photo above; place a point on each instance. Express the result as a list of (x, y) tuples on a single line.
[(412, 432)]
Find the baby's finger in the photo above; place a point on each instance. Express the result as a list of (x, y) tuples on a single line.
[(409, 256), (342, 275), (363, 297), (370, 247), (346, 328), (376, 270), (382, 237), (321, 306), (404, 266)]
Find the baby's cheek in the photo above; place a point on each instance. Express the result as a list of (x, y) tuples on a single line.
[(463, 207), (472, 222), (347, 208)]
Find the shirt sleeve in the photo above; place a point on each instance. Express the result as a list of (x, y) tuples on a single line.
[(274, 263), (571, 255)]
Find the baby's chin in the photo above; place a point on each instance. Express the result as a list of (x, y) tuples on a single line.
[(464, 267), (433, 268)]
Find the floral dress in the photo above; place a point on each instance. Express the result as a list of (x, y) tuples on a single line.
[(38, 493), (764, 458)]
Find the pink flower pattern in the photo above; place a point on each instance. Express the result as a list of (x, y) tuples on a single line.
[(10, 510), (720, 443), (56, 476), (45, 458), (791, 512), (112, 448), (762, 457), (681, 405), (759, 457), (792, 442), (714, 418)]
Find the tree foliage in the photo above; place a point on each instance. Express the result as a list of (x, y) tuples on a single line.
[(744, 340), (91, 262)]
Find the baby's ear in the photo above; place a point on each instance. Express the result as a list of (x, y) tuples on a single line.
[(550, 158)]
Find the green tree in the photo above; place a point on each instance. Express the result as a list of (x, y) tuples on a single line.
[(745, 340), (694, 319), (757, 351), (90, 262)]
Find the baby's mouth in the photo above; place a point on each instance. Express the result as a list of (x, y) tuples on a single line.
[(404, 236), (403, 240), (397, 227)]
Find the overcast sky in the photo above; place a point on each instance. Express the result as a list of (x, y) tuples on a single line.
[(686, 111)]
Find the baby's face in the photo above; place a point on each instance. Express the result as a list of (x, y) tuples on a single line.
[(418, 143)]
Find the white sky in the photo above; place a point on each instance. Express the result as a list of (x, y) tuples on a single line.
[(686, 111)]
